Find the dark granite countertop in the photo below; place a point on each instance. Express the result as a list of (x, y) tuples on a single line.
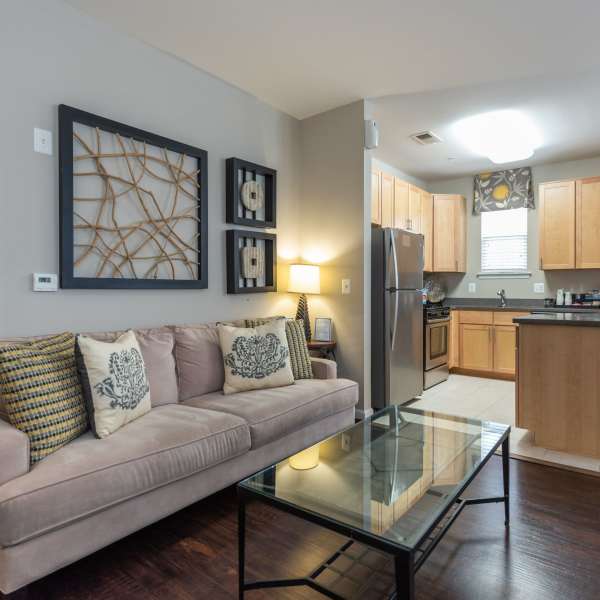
[(515, 304), (579, 319)]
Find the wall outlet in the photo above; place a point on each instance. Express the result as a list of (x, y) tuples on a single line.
[(472, 288), (346, 287), (45, 282), (42, 141), (538, 288), (346, 442)]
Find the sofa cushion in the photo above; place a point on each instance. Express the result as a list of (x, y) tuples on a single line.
[(88, 475), (255, 358), (157, 346), (199, 360), (114, 381), (42, 393), (274, 413)]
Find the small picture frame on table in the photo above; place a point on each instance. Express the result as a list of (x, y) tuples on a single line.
[(323, 330)]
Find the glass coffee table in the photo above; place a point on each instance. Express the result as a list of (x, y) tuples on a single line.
[(392, 484)]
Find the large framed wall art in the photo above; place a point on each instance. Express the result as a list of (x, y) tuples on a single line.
[(133, 207)]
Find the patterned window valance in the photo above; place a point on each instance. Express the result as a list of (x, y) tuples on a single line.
[(503, 190)]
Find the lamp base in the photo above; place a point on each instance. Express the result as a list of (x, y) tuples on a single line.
[(302, 314)]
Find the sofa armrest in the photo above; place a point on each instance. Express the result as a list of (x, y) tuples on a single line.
[(323, 368), (14, 450)]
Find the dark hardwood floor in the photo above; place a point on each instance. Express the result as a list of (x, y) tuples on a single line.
[(552, 551)]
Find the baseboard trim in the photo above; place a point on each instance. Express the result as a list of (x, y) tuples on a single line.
[(486, 374)]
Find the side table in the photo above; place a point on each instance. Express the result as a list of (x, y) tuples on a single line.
[(325, 349)]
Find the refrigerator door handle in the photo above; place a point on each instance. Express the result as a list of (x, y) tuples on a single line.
[(395, 326), (395, 259)]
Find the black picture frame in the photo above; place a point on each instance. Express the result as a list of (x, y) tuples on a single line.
[(68, 115), (233, 238), (233, 194)]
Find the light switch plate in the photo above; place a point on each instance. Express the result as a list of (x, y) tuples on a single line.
[(45, 282), (42, 141), (472, 288), (346, 287), (538, 288)]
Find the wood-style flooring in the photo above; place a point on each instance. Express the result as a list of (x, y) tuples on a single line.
[(552, 551)]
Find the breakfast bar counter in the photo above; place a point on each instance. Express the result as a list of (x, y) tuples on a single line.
[(574, 319), (558, 381)]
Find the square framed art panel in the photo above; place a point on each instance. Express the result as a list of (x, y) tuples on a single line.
[(133, 207), (251, 194), (251, 262)]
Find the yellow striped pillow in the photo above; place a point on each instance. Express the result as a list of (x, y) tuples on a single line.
[(42, 394)]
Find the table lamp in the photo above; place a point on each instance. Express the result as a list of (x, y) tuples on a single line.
[(304, 279)]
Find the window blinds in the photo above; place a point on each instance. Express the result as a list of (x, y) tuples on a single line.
[(504, 240)]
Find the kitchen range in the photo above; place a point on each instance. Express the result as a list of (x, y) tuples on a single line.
[(436, 318)]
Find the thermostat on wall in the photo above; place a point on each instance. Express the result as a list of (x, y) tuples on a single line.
[(45, 282)]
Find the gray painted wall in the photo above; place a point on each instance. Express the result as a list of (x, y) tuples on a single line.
[(333, 220), (52, 54), (457, 284)]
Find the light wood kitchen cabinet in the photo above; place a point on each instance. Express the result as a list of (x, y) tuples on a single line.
[(415, 205), (449, 233), (587, 223), (557, 225), (401, 204), (476, 349), (505, 342), (376, 197), (453, 344), (387, 200), (487, 341), (427, 229)]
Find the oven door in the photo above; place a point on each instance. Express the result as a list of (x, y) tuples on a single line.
[(436, 343)]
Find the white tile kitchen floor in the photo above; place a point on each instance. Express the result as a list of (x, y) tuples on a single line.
[(494, 400)]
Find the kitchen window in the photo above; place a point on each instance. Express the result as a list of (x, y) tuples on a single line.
[(504, 243)]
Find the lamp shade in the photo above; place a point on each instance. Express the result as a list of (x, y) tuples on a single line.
[(304, 279)]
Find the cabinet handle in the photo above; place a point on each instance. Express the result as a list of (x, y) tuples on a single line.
[(456, 265), (541, 264)]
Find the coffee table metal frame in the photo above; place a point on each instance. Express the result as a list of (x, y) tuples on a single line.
[(406, 561)]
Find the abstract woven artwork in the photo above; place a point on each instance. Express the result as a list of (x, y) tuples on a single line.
[(134, 212)]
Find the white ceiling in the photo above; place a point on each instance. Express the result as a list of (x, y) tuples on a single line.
[(423, 63), (307, 56), (565, 109)]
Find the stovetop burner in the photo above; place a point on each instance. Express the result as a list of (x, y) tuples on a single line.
[(435, 311)]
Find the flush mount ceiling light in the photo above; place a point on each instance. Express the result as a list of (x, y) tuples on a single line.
[(503, 136)]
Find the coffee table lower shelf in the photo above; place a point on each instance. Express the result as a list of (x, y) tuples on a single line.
[(365, 567)]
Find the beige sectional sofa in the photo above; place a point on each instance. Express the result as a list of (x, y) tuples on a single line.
[(194, 442)]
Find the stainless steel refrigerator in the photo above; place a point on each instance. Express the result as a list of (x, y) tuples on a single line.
[(396, 316)]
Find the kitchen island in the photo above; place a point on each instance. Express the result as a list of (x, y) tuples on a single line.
[(558, 380)]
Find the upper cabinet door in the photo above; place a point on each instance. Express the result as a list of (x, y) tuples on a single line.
[(414, 208), (376, 197), (557, 225), (427, 229), (387, 200), (401, 206), (588, 223), (449, 233)]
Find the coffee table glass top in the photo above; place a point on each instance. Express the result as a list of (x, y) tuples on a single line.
[(392, 475)]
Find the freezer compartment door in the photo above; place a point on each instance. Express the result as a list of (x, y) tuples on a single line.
[(404, 260), (404, 346)]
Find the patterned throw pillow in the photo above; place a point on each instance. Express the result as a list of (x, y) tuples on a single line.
[(42, 393), (296, 338), (255, 358), (114, 380)]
